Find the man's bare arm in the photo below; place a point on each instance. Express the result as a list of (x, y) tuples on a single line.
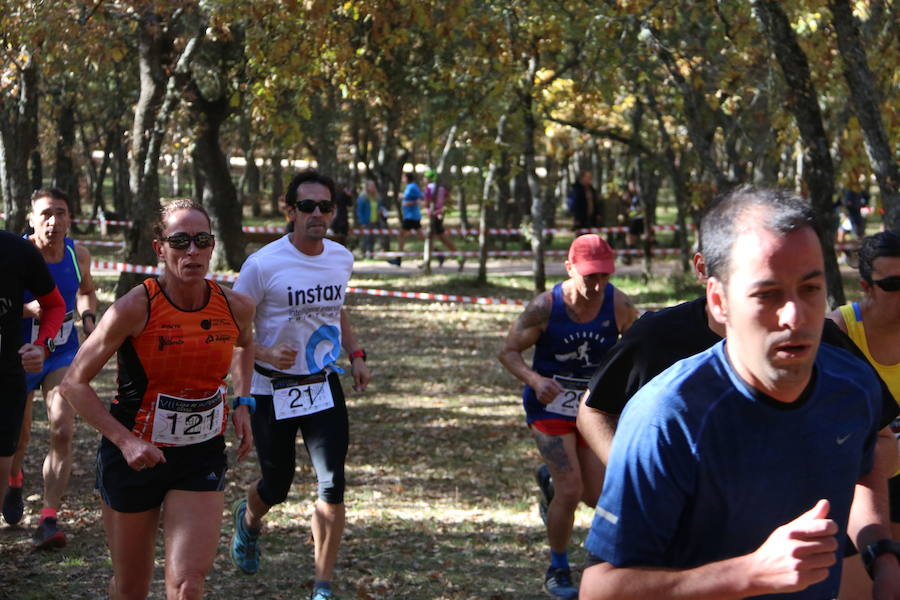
[(870, 515), (86, 298), (626, 312), (523, 334), (597, 428)]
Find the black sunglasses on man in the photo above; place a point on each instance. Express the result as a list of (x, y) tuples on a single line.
[(308, 206)]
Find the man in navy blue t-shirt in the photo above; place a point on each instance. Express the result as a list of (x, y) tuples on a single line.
[(733, 471)]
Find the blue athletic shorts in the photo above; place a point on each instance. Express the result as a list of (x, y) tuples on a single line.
[(55, 361)]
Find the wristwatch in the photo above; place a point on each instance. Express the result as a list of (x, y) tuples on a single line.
[(358, 353), (873, 551), (49, 346), (250, 401)]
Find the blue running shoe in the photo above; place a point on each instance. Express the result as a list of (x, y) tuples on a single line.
[(558, 583), (244, 543), (322, 594)]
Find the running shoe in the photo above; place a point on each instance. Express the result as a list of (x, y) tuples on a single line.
[(558, 583), (244, 543), (394, 261), (322, 594), (13, 505), (545, 484), (48, 535)]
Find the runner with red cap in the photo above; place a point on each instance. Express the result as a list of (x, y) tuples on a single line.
[(570, 327)]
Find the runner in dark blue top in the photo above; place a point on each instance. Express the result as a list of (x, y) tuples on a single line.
[(569, 352), (570, 328), (731, 473)]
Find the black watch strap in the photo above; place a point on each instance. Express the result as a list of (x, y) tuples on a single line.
[(49, 345), (873, 551)]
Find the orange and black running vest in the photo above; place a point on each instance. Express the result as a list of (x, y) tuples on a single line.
[(171, 382)]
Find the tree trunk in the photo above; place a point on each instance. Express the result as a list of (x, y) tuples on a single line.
[(250, 179), (682, 200), (121, 189), (18, 139), (802, 100), (529, 131), (157, 101), (218, 193), (866, 104), (277, 181), (322, 134), (100, 175), (64, 176), (701, 122)]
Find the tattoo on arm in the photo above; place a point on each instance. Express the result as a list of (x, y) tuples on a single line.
[(537, 313)]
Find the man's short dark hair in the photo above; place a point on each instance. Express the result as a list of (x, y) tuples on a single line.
[(308, 176), (883, 243), (784, 213), (410, 176), (54, 194)]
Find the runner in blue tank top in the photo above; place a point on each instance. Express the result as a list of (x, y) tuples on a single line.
[(570, 328), (70, 266)]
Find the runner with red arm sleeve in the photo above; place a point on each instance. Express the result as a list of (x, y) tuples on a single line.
[(21, 268)]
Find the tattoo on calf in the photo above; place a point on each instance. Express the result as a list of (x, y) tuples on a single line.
[(553, 451)]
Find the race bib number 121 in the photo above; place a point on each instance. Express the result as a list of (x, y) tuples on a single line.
[(181, 421)]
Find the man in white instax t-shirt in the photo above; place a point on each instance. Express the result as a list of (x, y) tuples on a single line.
[(299, 283)]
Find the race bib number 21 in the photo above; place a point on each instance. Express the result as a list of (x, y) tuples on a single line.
[(294, 399)]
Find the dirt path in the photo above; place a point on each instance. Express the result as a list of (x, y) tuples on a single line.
[(441, 503)]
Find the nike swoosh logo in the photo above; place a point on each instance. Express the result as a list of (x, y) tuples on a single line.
[(843, 439)]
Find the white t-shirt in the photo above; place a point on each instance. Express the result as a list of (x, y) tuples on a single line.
[(298, 303)]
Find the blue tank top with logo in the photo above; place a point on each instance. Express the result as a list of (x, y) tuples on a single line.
[(67, 276), (570, 352)]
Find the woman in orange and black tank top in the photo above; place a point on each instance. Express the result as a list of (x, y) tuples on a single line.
[(163, 436)]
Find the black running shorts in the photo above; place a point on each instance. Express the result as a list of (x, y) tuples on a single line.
[(195, 468), (12, 409), (326, 436)]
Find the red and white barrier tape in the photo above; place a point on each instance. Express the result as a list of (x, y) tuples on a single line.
[(361, 231), (149, 270), (499, 253), (438, 297), (99, 221), (491, 253), (495, 231), (101, 243)]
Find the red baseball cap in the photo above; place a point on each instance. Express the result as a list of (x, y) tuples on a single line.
[(591, 254)]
